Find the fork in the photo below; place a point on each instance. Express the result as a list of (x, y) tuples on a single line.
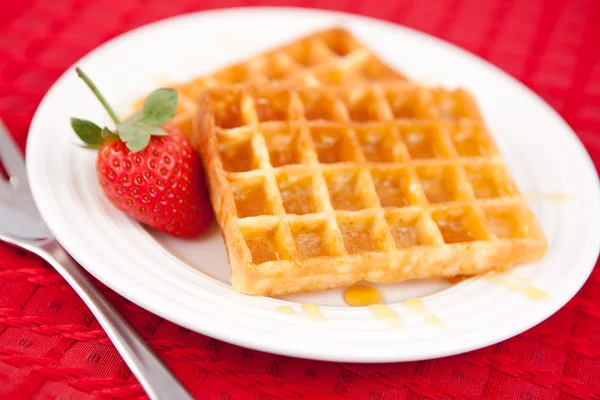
[(22, 226)]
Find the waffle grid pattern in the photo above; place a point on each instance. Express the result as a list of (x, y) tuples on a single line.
[(325, 57), (314, 172), (330, 56)]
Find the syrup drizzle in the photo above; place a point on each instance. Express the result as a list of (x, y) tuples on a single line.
[(286, 310), (513, 283), (311, 311), (519, 285), (540, 196), (386, 314), (362, 295), (418, 307)]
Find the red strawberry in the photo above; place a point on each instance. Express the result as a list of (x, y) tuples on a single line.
[(147, 168)]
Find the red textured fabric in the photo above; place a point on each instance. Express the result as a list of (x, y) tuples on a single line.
[(51, 347)]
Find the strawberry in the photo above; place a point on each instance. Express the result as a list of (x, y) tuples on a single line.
[(147, 167)]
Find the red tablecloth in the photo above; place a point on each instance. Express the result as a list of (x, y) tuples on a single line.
[(52, 348)]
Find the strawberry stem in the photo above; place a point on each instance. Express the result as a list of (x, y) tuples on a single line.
[(95, 90)]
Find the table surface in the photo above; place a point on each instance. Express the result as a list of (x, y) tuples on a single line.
[(51, 347)]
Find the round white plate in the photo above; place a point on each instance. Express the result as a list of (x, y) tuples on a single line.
[(187, 282)]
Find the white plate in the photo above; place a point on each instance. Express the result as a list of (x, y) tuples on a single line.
[(187, 282)]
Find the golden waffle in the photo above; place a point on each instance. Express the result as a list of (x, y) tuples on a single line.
[(329, 56), (315, 188)]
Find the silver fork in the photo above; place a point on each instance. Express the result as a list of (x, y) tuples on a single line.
[(22, 226)]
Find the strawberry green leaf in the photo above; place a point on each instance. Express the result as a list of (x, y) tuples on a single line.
[(88, 147), (159, 106), (88, 132), (152, 129), (133, 117), (135, 138), (107, 134)]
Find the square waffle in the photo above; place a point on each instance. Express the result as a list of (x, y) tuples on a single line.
[(332, 55), (316, 188)]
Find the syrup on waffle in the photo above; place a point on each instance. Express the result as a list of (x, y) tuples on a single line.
[(322, 187)]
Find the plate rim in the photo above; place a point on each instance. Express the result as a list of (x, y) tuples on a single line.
[(274, 347)]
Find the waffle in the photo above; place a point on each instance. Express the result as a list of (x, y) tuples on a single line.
[(316, 188), (328, 56)]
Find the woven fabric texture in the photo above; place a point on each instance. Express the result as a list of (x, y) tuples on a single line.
[(51, 347)]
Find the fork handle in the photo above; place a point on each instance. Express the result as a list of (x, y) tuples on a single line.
[(156, 379)]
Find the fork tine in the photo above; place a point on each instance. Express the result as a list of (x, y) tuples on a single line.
[(11, 157)]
